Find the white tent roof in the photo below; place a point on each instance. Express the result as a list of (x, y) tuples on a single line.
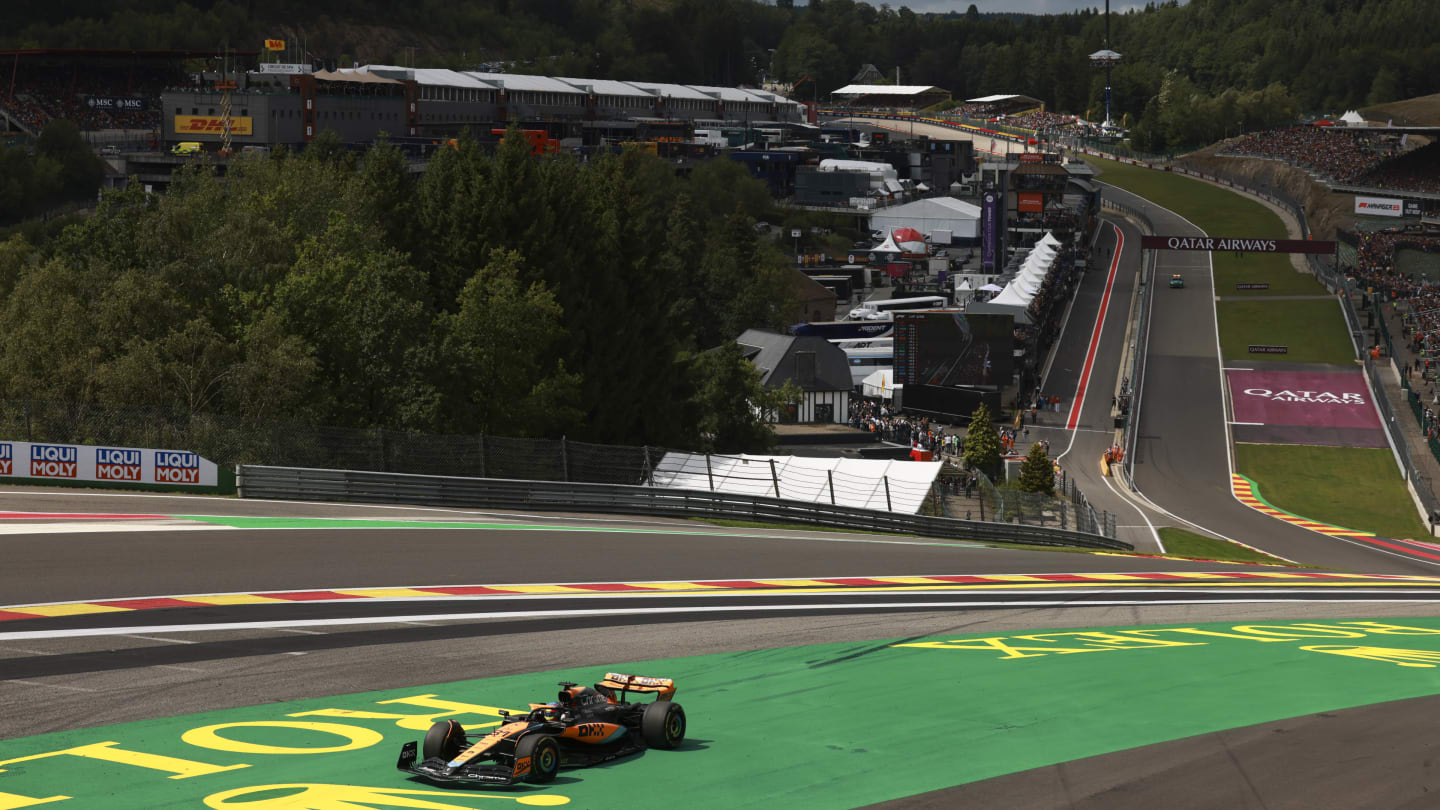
[(873, 167), (964, 285), (858, 482), (883, 90), (1352, 117), (991, 288), (1049, 239), (1012, 296)]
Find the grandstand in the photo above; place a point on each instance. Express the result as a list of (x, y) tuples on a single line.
[(1354, 158), (100, 90)]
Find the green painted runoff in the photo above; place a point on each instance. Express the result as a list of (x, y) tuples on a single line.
[(827, 726)]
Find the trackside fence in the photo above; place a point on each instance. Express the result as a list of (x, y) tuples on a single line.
[(354, 486)]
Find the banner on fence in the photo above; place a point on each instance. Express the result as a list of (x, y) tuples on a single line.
[(1378, 207), (1236, 244), (83, 462)]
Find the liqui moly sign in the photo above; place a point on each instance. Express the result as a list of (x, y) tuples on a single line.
[(80, 462)]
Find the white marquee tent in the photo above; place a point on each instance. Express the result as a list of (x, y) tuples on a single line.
[(960, 218), (858, 483)]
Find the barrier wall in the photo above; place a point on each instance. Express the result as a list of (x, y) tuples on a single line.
[(37, 462)]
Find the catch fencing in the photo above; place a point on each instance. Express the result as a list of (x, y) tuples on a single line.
[(1133, 366), (354, 486)]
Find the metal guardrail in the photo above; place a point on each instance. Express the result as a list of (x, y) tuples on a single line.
[(351, 486), (1135, 371)]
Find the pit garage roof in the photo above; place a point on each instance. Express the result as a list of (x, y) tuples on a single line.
[(994, 99), (885, 90), (427, 76), (674, 90), (517, 81), (732, 94), (352, 75), (609, 87)]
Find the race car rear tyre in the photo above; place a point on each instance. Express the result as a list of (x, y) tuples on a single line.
[(663, 724), (544, 756), (445, 739)]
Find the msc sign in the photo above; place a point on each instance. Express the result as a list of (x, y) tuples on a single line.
[(213, 125)]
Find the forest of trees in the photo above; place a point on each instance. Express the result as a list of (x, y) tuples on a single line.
[(1325, 54), (63, 168), (498, 294)]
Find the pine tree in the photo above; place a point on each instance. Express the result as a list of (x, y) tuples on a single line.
[(982, 443), (1036, 472)]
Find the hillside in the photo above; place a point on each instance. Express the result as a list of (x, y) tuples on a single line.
[(1411, 112), (1321, 54)]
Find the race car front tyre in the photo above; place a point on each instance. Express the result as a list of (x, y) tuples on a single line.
[(544, 756), (445, 739), (663, 724)]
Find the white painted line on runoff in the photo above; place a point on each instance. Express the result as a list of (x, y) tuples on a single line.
[(51, 686), (535, 614), (166, 640), (1153, 533), (1255, 424), (1232, 368)]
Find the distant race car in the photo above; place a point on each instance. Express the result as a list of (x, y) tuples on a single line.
[(582, 727), (1177, 281)]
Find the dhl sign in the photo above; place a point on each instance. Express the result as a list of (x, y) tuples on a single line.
[(212, 125), (274, 44)]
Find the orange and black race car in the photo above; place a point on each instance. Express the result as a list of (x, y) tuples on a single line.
[(584, 726)]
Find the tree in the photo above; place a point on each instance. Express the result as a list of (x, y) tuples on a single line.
[(1037, 474), (981, 449), (497, 354), (733, 408)]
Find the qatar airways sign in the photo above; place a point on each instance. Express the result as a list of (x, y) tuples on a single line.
[(80, 462), (1235, 244)]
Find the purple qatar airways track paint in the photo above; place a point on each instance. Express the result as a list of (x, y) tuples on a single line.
[(1330, 408)]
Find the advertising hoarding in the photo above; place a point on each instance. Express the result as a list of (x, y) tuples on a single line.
[(81, 462), (115, 103), (1379, 207), (212, 125), (1236, 244), (989, 230)]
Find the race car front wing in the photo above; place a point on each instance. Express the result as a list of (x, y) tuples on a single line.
[(436, 769)]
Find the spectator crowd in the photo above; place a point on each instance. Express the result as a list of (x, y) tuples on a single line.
[(1360, 159), (42, 94)]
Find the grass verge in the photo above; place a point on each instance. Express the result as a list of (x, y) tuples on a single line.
[(1185, 543), (1314, 331), (1354, 487)]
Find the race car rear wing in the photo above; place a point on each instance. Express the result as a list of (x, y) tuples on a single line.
[(663, 688)]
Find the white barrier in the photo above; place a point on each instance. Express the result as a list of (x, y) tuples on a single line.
[(82, 462)]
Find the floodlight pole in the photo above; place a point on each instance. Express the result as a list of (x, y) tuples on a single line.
[(1108, 62)]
